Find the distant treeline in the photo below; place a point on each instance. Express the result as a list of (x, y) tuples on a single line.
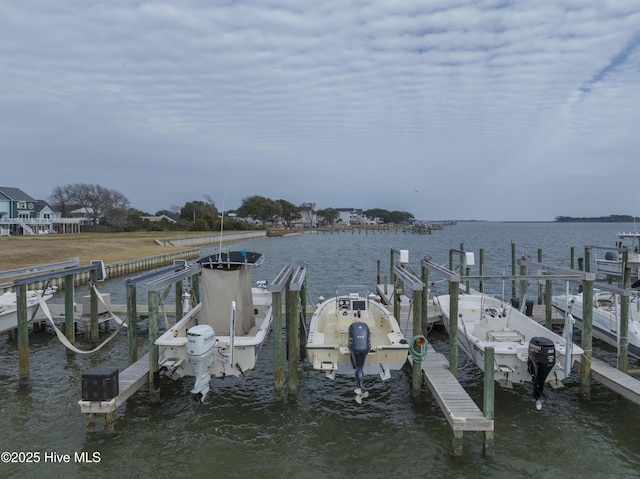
[(597, 219)]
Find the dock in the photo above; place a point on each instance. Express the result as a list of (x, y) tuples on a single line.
[(459, 409), (129, 381)]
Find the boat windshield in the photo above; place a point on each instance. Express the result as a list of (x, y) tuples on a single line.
[(353, 297)]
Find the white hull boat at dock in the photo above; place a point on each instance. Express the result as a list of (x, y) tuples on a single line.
[(606, 316), (8, 307), (524, 350), (611, 264), (223, 334), (351, 334)]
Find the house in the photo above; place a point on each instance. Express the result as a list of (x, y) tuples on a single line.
[(20, 213), (351, 216)]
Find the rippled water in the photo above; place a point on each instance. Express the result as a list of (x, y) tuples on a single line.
[(242, 431)]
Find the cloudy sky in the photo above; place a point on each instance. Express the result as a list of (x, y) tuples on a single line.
[(447, 109)]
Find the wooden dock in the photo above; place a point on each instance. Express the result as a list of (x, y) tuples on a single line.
[(129, 381), (459, 409)]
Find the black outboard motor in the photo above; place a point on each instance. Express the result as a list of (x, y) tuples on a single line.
[(359, 346), (542, 358)]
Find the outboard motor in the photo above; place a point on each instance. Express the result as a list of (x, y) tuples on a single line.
[(542, 358), (201, 341), (359, 346)]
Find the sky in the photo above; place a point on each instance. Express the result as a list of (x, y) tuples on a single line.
[(446, 109)]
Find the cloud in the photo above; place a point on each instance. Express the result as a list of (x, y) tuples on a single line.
[(341, 103)]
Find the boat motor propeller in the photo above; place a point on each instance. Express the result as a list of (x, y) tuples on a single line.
[(540, 362), (359, 347), (201, 341)]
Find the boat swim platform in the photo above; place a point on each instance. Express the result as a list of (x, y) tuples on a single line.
[(129, 381)]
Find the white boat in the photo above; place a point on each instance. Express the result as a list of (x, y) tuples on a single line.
[(352, 334), (222, 335), (611, 264), (606, 316), (524, 350), (8, 307)]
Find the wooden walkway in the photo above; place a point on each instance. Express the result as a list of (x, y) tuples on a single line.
[(616, 380), (459, 409), (129, 381)]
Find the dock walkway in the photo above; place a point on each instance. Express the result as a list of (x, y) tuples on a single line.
[(460, 410), (129, 381)]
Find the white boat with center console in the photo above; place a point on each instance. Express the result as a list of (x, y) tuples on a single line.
[(352, 334), (222, 335), (524, 350), (611, 264)]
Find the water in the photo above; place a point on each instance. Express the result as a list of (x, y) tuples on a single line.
[(242, 431)]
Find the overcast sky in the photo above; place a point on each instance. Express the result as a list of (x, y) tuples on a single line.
[(495, 110)]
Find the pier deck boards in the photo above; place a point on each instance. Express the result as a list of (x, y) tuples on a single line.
[(459, 409), (130, 380)]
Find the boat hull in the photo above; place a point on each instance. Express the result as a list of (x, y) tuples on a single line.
[(485, 321), (8, 310), (327, 344), (605, 319), (172, 354)]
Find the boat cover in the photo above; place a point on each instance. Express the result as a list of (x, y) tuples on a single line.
[(219, 288)]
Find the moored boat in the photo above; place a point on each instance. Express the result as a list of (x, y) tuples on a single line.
[(353, 334), (221, 335), (606, 316), (611, 264), (8, 306), (524, 350)]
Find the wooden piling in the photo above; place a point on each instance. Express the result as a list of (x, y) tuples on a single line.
[(293, 315), (587, 327), (623, 331), (548, 306), (154, 373), (489, 397), (481, 270), (454, 288), (416, 379), (278, 358), (132, 314), (94, 332), (23, 333), (69, 324)]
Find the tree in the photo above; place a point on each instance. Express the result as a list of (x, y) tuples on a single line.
[(202, 215), (212, 212), (290, 212), (328, 215), (117, 210), (96, 201), (259, 208)]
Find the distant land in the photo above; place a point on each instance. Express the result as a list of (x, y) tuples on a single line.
[(598, 219)]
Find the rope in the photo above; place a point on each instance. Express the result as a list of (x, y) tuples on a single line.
[(418, 355)]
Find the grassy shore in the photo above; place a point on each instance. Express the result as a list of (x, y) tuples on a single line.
[(24, 251)]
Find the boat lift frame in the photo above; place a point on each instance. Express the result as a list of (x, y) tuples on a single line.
[(292, 280), (68, 269)]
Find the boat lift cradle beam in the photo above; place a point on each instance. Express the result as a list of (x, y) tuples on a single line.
[(36, 269)]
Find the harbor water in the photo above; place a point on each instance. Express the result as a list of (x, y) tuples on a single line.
[(242, 431)]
